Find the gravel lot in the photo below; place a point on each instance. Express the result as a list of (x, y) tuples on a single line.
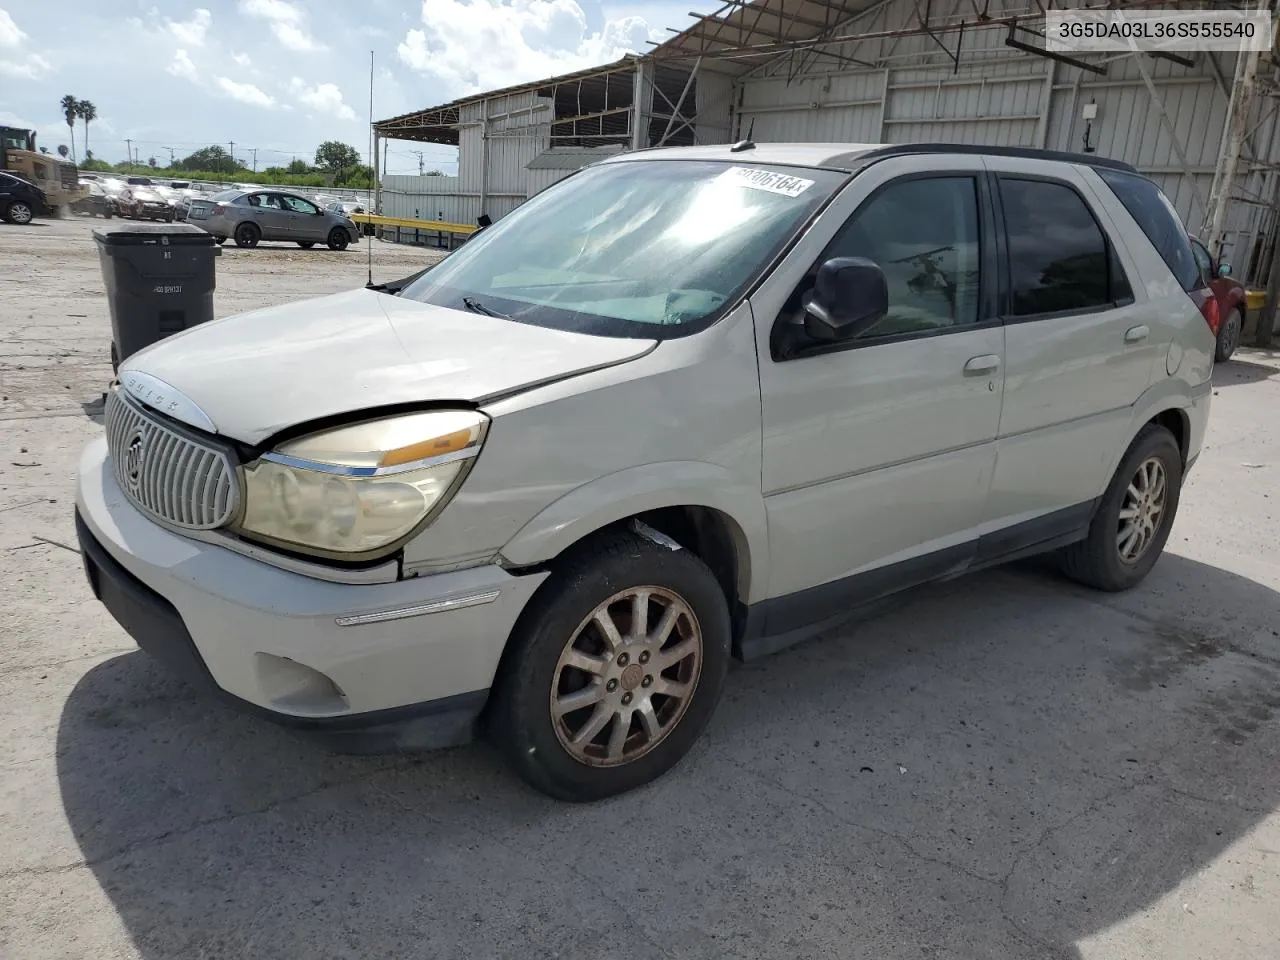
[(1005, 766)]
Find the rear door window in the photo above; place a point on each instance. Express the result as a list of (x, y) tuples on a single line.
[(1059, 259), (1153, 212)]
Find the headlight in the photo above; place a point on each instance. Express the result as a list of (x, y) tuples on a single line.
[(358, 490)]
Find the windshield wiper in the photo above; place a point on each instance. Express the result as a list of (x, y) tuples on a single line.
[(475, 306)]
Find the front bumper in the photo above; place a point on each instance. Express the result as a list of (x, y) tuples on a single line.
[(270, 639)]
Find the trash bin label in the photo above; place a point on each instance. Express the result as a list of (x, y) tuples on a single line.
[(167, 288)]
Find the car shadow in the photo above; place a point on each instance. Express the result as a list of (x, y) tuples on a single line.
[(1237, 371), (1005, 762)]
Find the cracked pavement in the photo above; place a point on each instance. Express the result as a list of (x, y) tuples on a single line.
[(1003, 766)]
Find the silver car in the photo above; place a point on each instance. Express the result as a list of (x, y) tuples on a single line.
[(685, 405), (248, 217)]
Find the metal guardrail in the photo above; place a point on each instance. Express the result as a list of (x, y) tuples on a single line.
[(408, 223), (446, 235)]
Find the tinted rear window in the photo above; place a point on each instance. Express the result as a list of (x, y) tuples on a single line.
[(1153, 212)]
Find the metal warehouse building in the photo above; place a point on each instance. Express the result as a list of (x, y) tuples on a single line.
[(1203, 125)]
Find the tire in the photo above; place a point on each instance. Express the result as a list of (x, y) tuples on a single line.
[(115, 359), (219, 240), (107, 215), (338, 239), (1228, 336), (602, 571), (19, 212), (306, 244), (1097, 560), (247, 235)]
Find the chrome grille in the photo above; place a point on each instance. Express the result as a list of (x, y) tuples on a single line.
[(168, 474)]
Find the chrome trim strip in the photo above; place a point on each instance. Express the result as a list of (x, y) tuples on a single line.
[(437, 606), (365, 472), (166, 398)]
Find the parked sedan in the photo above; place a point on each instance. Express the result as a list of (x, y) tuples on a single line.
[(20, 200), (251, 216), (145, 203), (1230, 294), (99, 203)]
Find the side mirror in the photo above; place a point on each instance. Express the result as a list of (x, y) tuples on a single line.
[(850, 296), (1224, 269)]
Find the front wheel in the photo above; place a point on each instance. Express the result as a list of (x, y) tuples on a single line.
[(615, 668), (338, 239), (19, 212), (219, 240), (1134, 517), (248, 235), (1228, 336)]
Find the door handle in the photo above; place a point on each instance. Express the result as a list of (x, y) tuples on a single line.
[(1136, 334), (987, 363)]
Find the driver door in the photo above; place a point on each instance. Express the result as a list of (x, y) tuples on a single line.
[(878, 451)]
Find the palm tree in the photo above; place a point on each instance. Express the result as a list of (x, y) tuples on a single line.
[(88, 112), (70, 109)]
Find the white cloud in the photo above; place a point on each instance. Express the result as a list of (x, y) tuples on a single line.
[(323, 98), (182, 66), (241, 59), (523, 40), (244, 92), (10, 35), (287, 22), (191, 32), (25, 64)]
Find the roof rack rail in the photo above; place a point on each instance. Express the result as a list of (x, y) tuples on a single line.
[(1028, 153)]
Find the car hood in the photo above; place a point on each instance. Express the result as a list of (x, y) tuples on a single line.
[(258, 373)]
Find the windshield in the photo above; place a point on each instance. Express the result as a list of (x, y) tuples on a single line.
[(650, 249)]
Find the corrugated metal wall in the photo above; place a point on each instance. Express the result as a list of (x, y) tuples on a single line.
[(1001, 97), (995, 95)]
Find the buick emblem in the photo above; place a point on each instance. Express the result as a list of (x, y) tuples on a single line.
[(134, 454)]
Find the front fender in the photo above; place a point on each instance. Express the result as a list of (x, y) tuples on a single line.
[(614, 497)]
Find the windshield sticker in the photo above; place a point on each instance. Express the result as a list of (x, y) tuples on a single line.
[(780, 183)]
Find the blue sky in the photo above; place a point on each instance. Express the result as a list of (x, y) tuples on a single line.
[(283, 75)]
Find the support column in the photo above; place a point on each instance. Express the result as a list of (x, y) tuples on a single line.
[(377, 175), (484, 158), (641, 104)]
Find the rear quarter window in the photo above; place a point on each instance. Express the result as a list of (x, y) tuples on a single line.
[(1153, 212)]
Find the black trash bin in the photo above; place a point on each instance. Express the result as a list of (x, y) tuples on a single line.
[(160, 280)]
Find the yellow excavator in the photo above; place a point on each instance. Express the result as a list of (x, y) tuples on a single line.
[(57, 179)]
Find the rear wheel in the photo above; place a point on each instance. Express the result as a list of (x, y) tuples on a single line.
[(248, 235), (338, 239), (219, 240), (1228, 336), (614, 670), (1132, 523), (19, 212), (306, 244)]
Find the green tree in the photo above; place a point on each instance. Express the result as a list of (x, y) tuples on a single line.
[(71, 110), (62, 150), (151, 162), (334, 157), (88, 113), (297, 167), (213, 159)]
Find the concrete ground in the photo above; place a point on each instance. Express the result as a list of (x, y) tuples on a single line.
[(1006, 766)]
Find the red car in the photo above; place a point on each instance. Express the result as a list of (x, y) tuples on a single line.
[(1229, 293)]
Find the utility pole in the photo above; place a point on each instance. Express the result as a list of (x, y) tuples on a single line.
[(419, 153), (128, 153), (170, 149), (233, 152), (254, 151)]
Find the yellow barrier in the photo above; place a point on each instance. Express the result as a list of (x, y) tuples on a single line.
[(1254, 299), (407, 223)]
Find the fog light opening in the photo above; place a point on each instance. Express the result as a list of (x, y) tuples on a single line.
[(295, 688)]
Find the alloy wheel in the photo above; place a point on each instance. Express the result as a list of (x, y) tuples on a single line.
[(626, 677), (1142, 510)]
